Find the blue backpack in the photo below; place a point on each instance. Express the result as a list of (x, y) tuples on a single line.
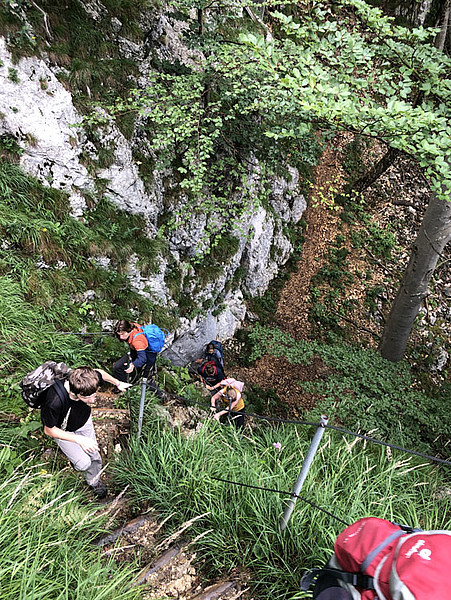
[(155, 337), (218, 352)]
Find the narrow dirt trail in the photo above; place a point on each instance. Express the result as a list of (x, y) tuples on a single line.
[(322, 224), (292, 314)]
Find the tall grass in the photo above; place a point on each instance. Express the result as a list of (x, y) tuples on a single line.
[(45, 535), (351, 480), (26, 333), (28, 339), (46, 268)]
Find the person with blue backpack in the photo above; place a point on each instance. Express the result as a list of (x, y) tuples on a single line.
[(144, 342), (213, 352)]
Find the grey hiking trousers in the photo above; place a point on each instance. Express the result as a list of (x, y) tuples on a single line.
[(90, 464)]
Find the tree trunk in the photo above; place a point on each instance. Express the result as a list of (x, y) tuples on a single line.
[(441, 37), (371, 176), (200, 21), (434, 234), (414, 12)]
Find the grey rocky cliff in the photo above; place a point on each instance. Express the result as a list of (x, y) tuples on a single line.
[(39, 112)]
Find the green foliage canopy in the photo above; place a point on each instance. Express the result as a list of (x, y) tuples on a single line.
[(324, 66), (347, 66)]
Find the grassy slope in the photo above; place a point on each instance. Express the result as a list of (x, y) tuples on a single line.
[(46, 524), (173, 472), (241, 525), (45, 534)]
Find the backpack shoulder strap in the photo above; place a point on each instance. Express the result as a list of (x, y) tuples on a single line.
[(139, 333), (372, 555), (64, 397), (61, 390), (357, 579)]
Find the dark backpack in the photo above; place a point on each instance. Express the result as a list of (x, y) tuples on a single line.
[(35, 383), (218, 346), (376, 559), (218, 353), (217, 372), (210, 364)]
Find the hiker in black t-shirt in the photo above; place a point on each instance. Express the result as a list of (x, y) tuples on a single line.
[(66, 416)]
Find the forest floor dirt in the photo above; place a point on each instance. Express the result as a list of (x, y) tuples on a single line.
[(322, 219), (292, 315)]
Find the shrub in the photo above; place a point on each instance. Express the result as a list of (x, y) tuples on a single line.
[(365, 392)]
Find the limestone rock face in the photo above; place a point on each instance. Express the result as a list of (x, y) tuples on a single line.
[(124, 186), (40, 114), (191, 339), (229, 320)]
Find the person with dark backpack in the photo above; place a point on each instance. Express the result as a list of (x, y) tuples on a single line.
[(144, 343), (65, 398), (211, 372), (213, 351)]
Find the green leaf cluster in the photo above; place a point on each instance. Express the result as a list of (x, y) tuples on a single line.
[(364, 392), (207, 131), (346, 66)]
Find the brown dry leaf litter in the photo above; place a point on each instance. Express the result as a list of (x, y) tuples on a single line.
[(294, 303), (322, 227)]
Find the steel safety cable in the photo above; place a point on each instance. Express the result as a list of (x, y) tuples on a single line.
[(333, 427), (292, 494)]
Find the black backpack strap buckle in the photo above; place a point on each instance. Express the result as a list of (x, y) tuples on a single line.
[(356, 579), (308, 578)]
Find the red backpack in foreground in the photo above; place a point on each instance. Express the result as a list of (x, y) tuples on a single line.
[(378, 560)]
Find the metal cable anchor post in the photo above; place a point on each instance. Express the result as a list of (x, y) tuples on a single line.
[(141, 405), (304, 470)]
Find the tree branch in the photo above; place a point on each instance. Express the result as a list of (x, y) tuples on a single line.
[(46, 23), (377, 336)]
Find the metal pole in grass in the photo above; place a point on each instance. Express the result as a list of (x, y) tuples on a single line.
[(304, 470), (141, 405)]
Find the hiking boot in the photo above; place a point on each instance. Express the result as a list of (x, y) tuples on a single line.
[(99, 490)]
